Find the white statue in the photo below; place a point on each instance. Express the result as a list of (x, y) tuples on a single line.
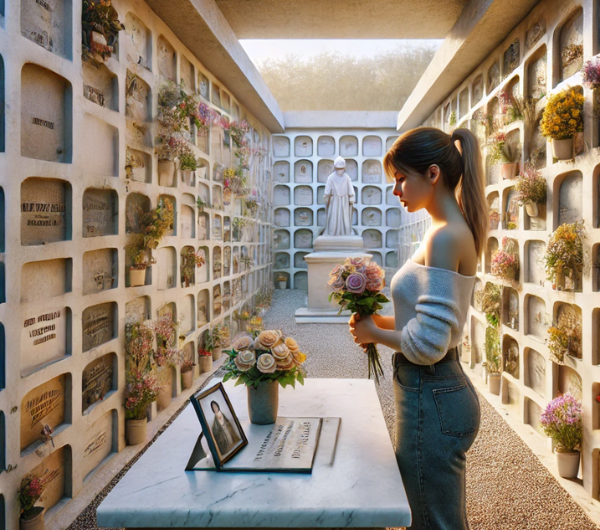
[(339, 199)]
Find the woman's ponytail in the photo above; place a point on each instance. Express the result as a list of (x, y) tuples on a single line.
[(471, 189)]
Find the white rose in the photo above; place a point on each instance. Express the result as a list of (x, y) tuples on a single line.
[(245, 360), (266, 363), (280, 350)]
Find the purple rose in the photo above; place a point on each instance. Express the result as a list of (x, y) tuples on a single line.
[(356, 283)]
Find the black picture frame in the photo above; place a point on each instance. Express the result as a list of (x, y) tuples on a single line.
[(205, 398)]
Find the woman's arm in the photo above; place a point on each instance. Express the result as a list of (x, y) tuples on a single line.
[(365, 330), (384, 322)]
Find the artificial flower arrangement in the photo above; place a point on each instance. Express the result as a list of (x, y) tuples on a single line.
[(189, 261), (167, 353), (530, 186), (502, 151), (505, 262), (357, 286), (220, 336), (591, 74), (270, 357), (563, 422), (30, 491), (558, 344), (565, 249), (490, 300), (492, 350), (563, 115), (100, 26), (571, 54), (187, 161), (255, 325)]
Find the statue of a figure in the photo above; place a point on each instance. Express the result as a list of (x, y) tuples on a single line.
[(339, 199)]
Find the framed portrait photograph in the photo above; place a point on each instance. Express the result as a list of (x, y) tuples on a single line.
[(220, 425)]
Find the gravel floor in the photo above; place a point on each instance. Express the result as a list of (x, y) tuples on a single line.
[(507, 486)]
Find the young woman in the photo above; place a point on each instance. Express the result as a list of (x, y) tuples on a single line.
[(437, 409)]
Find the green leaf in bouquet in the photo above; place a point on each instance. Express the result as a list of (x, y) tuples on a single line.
[(300, 377), (227, 376)]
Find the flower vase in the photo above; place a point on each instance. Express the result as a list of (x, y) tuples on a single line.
[(35, 522), (562, 149), (263, 402), (186, 176), (136, 431), (205, 362), (166, 394), (532, 209), (559, 279), (137, 277), (243, 324), (166, 173), (568, 464), (281, 284), (216, 353), (187, 379), (494, 380), (508, 171)]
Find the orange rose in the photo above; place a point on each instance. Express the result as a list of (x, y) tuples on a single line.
[(292, 344)]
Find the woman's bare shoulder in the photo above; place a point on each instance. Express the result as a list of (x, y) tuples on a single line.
[(451, 247)]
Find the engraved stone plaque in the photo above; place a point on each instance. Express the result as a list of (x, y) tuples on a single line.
[(203, 86), (203, 314), (301, 281), (348, 146), (53, 476), (371, 172), (281, 146), (217, 228), (535, 33), (217, 198), (43, 338), (45, 131), (138, 42), (138, 110), (44, 405), (303, 146), (326, 146), (493, 77), (203, 226), (282, 217), (281, 196), (100, 270), (571, 45), (138, 165), (372, 238), (100, 142), (536, 372), (303, 239), (569, 381), (98, 325), (372, 146), (371, 195), (535, 273), (166, 263), (511, 57), (187, 315), (166, 58), (100, 216), (44, 211), (511, 214), (100, 86), (281, 171), (48, 24), (571, 198), (187, 75), (98, 380), (282, 260), (534, 416), (303, 171), (303, 217), (371, 217), (99, 442), (537, 318), (393, 218), (217, 265), (202, 272), (303, 196), (41, 280)]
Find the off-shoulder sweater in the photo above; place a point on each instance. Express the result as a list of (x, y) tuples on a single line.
[(430, 308)]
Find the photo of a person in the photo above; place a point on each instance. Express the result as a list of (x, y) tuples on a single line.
[(224, 432)]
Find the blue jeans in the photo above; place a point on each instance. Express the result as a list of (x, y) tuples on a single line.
[(437, 420)]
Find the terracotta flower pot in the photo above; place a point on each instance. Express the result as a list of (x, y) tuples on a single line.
[(216, 353), (568, 464), (508, 171), (494, 383), (136, 431), (187, 379), (263, 402), (166, 394), (205, 362), (562, 149), (137, 277), (166, 173), (35, 521), (532, 209)]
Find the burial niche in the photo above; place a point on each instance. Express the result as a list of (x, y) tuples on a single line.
[(371, 195), (372, 172), (166, 262), (303, 217), (217, 264), (166, 59), (326, 146), (44, 405), (100, 142), (348, 146), (138, 165), (217, 228), (48, 24), (100, 86), (299, 262), (188, 223), (301, 281), (137, 310), (53, 474), (41, 280), (203, 308), (303, 172), (477, 90), (569, 381), (371, 217), (281, 239), (46, 116), (281, 171), (138, 44), (187, 75), (372, 238), (100, 443), (372, 146), (537, 318), (99, 325), (100, 270), (535, 371), (570, 198), (535, 252), (511, 58), (493, 77), (282, 260), (534, 416), (536, 74), (45, 211), (393, 218), (351, 169), (535, 33), (226, 260), (45, 337), (100, 213), (463, 103), (303, 239), (570, 45), (215, 95), (281, 146), (217, 300), (510, 356), (303, 146), (392, 238), (281, 196), (324, 169), (282, 217), (136, 206), (98, 379), (303, 196), (203, 86), (187, 316), (138, 111)]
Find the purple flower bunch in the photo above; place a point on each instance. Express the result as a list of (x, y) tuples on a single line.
[(591, 74), (562, 421)]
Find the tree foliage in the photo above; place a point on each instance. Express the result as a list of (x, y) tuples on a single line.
[(335, 81)]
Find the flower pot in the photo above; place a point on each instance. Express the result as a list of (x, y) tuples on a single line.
[(562, 149), (137, 277), (263, 402), (510, 273), (35, 522), (205, 362), (494, 383), (532, 209), (166, 394), (508, 171), (568, 464), (187, 379), (485, 374), (216, 353), (136, 431), (282, 284), (243, 324), (559, 280), (166, 173), (186, 176)]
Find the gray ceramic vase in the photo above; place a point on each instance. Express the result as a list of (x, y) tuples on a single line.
[(263, 403)]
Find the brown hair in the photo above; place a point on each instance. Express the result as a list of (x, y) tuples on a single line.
[(417, 149)]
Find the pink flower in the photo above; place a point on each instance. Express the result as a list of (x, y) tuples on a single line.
[(376, 285), (356, 283), (337, 271), (357, 262), (373, 271)]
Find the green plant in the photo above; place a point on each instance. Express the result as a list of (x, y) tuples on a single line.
[(502, 151), (558, 344), (201, 204), (452, 119), (492, 349), (189, 261), (563, 115), (565, 249), (530, 186), (141, 390), (187, 160), (30, 491), (220, 336), (490, 298), (209, 344)]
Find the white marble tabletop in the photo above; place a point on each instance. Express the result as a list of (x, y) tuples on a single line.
[(362, 489)]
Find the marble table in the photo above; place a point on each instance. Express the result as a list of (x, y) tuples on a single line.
[(362, 489)]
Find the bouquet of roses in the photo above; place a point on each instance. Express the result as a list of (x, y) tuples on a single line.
[(357, 286), (268, 358)]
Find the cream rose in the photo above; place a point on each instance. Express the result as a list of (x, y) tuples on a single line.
[(292, 345), (267, 339), (285, 364), (245, 360), (266, 363), (243, 343), (280, 350)]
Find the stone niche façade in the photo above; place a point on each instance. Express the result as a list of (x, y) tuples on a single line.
[(98, 379), (48, 24), (45, 211), (100, 213), (98, 325)]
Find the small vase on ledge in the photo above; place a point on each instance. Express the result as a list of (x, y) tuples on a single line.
[(568, 464), (562, 149), (263, 403), (34, 521)]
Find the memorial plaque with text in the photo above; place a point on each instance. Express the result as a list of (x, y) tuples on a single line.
[(43, 338), (98, 325), (99, 213), (44, 405), (99, 443), (52, 475), (43, 211), (100, 270), (44, 22), (97, 380)]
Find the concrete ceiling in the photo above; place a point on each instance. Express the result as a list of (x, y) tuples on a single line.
[(341, 19)]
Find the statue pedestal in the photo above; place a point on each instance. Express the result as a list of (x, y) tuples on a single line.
[(320, 264)]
